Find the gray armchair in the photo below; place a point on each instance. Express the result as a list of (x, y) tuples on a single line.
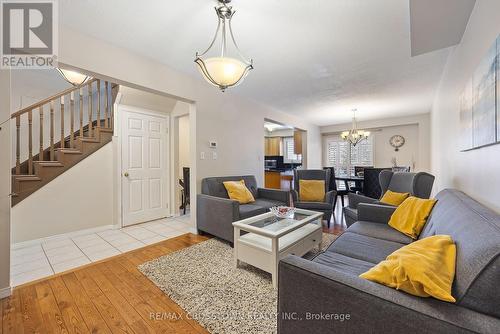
[(215, 212), (315, 174), (417, 184)]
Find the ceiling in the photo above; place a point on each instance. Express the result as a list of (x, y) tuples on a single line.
[(429, 32), (317, 59)]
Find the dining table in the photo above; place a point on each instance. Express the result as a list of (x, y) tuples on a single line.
[(358, 180)]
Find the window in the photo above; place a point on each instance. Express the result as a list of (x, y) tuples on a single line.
[(343, 156), (288, 151)]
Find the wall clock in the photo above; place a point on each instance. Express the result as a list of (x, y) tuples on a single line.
[(397, 141)]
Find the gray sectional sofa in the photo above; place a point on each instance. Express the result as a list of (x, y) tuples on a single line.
[(310, 290), (215, 212)]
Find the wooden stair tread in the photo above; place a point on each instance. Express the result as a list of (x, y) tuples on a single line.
[(48, 163), (69, 151), (89, 140), (26, 178)]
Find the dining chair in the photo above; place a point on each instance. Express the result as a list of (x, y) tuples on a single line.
[(333, 186), (359, 171)]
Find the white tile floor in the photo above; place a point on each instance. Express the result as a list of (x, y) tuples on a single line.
[(47, 258)]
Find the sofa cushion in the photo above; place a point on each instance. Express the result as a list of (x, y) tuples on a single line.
[(213, 186), (258, 207), (250, 210), (314, 206), (363, 248), (379, 231), (475, 230), (343, 263)]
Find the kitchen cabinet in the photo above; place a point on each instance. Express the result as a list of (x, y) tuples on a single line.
[(278, 179), (272, 180), (272, 145), (297, 141)]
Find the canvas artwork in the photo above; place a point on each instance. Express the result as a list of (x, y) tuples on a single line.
[(479, 103), (466, 117), (484, 104), (498, 89)]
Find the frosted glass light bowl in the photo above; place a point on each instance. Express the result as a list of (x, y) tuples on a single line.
[(283, 211)]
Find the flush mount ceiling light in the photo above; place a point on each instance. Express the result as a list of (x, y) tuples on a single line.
[(74, 78), (354, 136), (223, 70)]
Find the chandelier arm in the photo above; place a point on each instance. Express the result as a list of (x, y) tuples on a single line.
[(223, 42), (213, 40), (248, 62)]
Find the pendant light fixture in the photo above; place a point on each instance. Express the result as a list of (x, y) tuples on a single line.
[(74, 78), (354, 136), (223, 69)]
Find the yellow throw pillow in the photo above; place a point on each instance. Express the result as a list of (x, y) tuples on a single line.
[(394, 198), (312, 190), (410, 217), (424, 268), (238, 191)]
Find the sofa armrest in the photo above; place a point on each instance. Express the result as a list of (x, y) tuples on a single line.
[(314, 298), (215, 215), (330, 197), (274, 194), (375, 213), (355, 199)]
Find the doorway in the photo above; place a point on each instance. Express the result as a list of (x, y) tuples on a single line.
[(145, 143)]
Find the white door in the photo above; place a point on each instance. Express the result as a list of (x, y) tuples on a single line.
[(145, 169)]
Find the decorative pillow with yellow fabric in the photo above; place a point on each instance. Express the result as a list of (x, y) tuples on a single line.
[(410, 217), (424, 268), (394, 198), (311, 190), (238, 191)]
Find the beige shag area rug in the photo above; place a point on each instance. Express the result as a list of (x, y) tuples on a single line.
[(201, 279)]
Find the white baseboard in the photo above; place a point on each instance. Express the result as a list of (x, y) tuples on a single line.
[(5, 292), (34, 242)]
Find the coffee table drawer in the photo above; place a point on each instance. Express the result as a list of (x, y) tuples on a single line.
[(304, 245)]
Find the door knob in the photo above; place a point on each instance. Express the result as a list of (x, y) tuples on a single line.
[(125, 174)]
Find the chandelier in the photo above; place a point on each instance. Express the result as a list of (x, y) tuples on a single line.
[(74, 78), (354, 136), (223, 70)]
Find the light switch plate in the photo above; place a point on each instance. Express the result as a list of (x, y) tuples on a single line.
[(202, 156), (214, 155)]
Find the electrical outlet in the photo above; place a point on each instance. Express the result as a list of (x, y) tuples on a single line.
[(202, 156), (214, 155)]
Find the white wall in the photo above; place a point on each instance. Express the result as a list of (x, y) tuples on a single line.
[(474, 172), (416, 130), (141, 99), (80, 198), (5, 179), (234, 122)]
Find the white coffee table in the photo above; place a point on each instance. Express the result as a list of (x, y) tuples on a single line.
[(270, 239)]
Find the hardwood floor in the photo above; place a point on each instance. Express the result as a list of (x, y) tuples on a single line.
[(110, 296)]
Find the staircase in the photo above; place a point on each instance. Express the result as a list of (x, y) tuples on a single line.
[(84, 117)]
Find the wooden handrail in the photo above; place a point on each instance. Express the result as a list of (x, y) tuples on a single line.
[(52, 98), (87, 125)]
